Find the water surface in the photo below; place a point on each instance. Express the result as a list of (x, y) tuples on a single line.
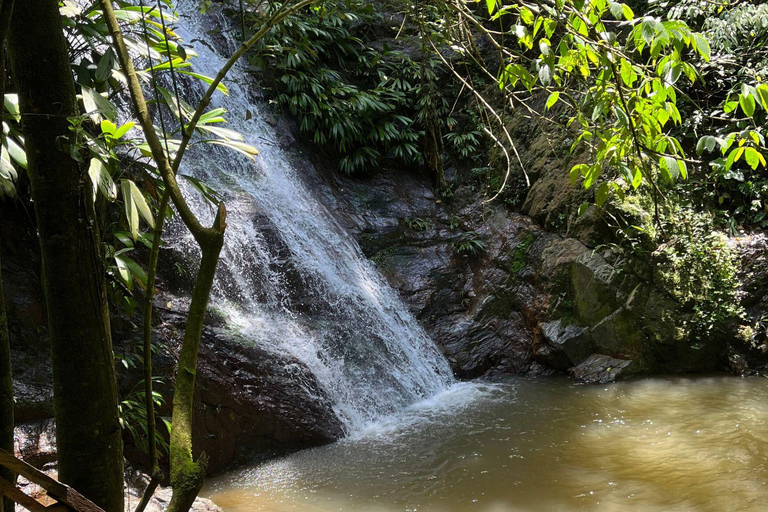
[(660, 444)]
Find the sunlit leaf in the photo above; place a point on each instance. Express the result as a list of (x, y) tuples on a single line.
[(102, 180)]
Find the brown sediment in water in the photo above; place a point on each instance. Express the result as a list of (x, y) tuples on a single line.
[(656, 444)]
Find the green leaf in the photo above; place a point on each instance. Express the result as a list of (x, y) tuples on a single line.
[(627, 73), (213, 116), (577, 171), (593, 172), (491, 5), (648, 29), (102, 180), (701, 45), (97, 106), (135, 205), (583, 207), (622, 117), (602, 193), (136, 271), (730, 106), (241, 147), (108, 127), (123, 130), (16, 152), (552, 99), (628, 14), (124, 272), (671, 166), (762, 91), (752, 157), (224, 133), (747, 103), (616, 10), (204, 190), (707, 143), (219, 87), (11, 102), (104, 69)]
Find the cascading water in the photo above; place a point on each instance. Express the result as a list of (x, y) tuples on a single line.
[(289, 277)]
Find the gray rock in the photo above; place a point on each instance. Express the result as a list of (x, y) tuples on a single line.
[(249, 402), (570, 341), (599, 369), (35, 442)]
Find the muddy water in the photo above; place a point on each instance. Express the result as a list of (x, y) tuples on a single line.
[(677, 443)]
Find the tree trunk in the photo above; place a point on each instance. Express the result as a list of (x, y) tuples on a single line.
[(6, 398), (6, 378), (85, 390), (187, 476)]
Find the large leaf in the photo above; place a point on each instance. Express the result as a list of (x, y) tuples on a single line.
[(241, 147), (124, 271), (135, 205), (102, 180), (204, 190), (104, 69), (11, 102), (219, 87), (16, 152), (97, 106), (134, 268), (224, 133)]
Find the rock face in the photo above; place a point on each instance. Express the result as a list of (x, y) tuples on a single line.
[(500, 294), (249, 402), (474, 305)]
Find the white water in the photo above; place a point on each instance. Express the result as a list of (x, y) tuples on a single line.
[(290, 278)]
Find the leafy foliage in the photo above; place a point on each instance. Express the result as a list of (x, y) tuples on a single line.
[(13, 155), (729, 112), (470, 243), (360, 102), (699, 269), (630, 76), (418, 224)]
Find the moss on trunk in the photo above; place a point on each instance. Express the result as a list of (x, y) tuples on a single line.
[(6, 376), (85, 390)]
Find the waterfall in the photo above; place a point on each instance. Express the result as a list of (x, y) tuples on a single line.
[(290, 278)]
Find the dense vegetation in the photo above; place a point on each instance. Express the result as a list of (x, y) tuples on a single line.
[(668, 108), (664, 103)]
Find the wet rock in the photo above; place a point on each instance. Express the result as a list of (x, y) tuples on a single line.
[(249, 402), (135, 484), (162, 498), (35, 442), (564, 345), (599, 369), (531, 301)]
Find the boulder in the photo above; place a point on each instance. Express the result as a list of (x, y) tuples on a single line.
[(249, 402), (599, 369)]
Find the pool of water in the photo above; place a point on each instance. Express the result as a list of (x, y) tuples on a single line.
[(656, 444)]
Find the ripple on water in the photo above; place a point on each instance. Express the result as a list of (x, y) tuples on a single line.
[(677, 443)]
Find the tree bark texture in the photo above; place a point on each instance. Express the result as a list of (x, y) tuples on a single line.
[(6, 376), (6, 399), (85, 390)]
